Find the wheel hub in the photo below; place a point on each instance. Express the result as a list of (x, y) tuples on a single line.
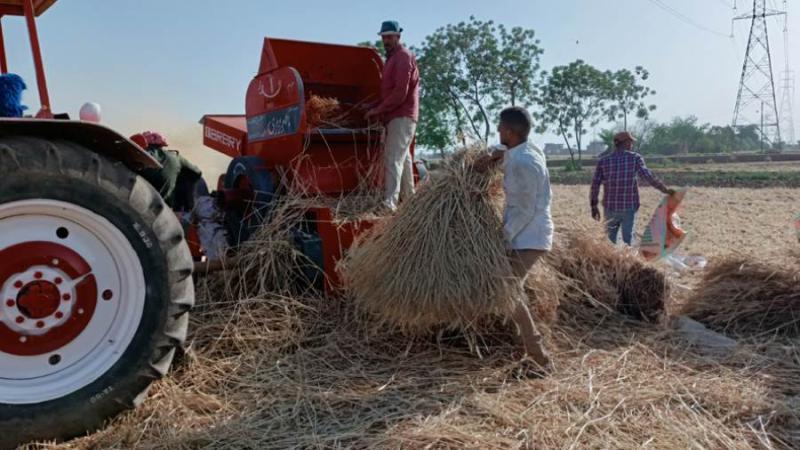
[(38, 299), (46, 305)]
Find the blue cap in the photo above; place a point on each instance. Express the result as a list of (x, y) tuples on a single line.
[(390, 27)]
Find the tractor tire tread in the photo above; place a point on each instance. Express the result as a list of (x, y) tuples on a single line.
[(40, 157)]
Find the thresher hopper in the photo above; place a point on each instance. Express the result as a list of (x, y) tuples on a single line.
[(278, 152), (95, 275)]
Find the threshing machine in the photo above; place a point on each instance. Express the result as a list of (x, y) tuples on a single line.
[(276, 151), (95, 274)]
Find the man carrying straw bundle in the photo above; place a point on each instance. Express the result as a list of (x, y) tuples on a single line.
[(527, 221), (617, 172), (399, 111)]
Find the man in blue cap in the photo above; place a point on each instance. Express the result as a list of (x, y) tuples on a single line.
[(399, 112)]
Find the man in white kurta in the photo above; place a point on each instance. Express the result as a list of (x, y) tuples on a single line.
[(527, 220)]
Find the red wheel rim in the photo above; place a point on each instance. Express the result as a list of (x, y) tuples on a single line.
[(50, 300)]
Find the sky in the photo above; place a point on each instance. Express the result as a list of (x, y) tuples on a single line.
[(163, 64)]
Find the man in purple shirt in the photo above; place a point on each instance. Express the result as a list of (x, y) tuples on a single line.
[(617, 172), (399, 112)]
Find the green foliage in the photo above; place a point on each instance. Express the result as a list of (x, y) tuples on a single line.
[(573, 99), (573, 166), (686, 135), (469, 72), (377, 45), (607, 137), (626, 95)]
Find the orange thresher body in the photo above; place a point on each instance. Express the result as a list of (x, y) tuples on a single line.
[(277, 152)]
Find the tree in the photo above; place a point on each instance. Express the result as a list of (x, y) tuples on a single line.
[(642, 131), (519, 63), (681, 136), (469, 71), (627, 94), (572, 100), (377, 45), (607, 136)]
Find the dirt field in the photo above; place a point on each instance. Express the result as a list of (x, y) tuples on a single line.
[(754, 222), (789, 166), (277, 373)]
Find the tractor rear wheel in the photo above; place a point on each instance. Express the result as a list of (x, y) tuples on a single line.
[(95, 279)]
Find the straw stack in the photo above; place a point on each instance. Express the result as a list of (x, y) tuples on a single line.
[(440, 260), (745, 298)]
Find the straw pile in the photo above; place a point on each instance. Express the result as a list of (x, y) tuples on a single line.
[(321, 112), (274, 369), (612, 277), (440, 260), (745, 298), (278, 373)]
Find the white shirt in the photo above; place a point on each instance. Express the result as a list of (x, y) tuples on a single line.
[(527, 221)]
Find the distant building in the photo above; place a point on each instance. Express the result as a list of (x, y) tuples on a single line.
[(596, 147), (555, 149)]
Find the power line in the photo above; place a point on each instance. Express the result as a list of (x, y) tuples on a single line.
[(686, 19)]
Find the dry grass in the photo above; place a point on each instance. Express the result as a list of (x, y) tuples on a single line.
[(746, 298), (440, 260), (276, 373), (269, 370), (322, 111)]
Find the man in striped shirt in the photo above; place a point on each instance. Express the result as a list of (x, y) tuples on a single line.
[(617, 172)]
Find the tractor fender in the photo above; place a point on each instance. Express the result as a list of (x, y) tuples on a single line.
[(97, 138)]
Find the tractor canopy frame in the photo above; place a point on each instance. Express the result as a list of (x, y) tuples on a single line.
[(30, 9)]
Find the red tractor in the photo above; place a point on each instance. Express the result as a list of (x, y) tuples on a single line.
[(95, 274)]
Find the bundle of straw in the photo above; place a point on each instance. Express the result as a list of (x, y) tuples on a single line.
[(440, 260), (747, 298), (322, 111), (618, 279)]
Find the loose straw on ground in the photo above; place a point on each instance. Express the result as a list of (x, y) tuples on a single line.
[(275, 373), (269, 368)]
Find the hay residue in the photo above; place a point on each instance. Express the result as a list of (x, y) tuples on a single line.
[(276, 373), (275, 369), (322, 112), (747, 298), (270, 262)]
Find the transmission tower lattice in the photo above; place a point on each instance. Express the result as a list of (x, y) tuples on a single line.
[(787, 87), (756, 103), (787, 98)]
